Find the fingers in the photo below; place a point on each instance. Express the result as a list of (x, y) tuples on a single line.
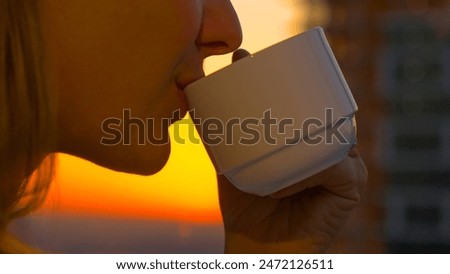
[(310, 182), (363, 175), (239, 54), (347, 179)]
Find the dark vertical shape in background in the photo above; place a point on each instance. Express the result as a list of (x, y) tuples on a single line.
[(395, 55)]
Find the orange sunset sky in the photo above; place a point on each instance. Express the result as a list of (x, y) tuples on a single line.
[(185, 190)]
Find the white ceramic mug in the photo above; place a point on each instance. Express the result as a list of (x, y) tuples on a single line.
[(304, 106)]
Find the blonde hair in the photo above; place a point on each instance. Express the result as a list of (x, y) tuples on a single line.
[(27, 116)]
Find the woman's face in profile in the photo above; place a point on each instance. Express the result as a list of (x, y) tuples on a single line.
[(107, 59)]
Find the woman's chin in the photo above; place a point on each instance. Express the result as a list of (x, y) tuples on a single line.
[(152, 167), (138, 160), (146, 162)]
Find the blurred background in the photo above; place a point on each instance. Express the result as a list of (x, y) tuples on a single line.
[(395, 56)]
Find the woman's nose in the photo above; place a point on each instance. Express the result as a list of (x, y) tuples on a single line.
[(221, 31)]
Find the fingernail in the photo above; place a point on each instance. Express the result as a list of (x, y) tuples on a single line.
[(354, 153), (239, 54)]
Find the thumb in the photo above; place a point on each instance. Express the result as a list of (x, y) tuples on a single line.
[(239, 54)]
